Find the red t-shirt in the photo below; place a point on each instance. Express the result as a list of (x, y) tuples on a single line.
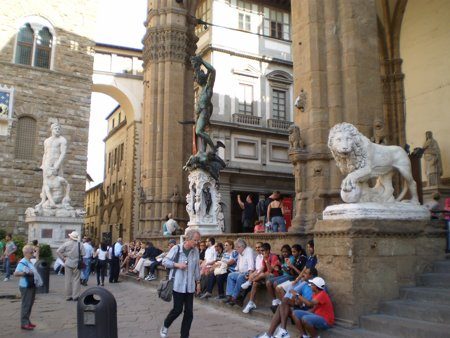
[(324, 307), (259, 228), (273, 261)]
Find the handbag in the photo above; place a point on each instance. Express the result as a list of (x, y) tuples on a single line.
[(80, 265), (220, 270), (165, 288)]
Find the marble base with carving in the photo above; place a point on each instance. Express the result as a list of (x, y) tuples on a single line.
[(203, 203), (52, 230), (371, 210)]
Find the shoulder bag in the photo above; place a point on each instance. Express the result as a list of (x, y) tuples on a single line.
[(80, 265), (165, 288)]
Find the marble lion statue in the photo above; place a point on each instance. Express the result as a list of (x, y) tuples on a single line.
[(362, 160)]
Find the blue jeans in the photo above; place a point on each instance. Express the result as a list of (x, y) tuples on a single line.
[(312, 319), (234, 282), (7, 267), (278, 224), (87, 269)]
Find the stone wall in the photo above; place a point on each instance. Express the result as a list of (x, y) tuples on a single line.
[(61, 94)]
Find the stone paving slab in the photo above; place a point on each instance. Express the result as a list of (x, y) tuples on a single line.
[(140, 314)]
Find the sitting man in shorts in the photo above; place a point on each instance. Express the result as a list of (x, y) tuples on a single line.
[(321, 316), (285, 310), (270, 268)]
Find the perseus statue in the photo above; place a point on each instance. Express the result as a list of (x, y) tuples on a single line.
[(204, 108)]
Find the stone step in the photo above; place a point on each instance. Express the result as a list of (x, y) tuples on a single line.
[(426, 294), (404, 327), (435, 313), (439, 280), (442, 266), (341, 332)]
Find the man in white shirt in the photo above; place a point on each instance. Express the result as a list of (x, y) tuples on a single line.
[(87, 260), (115, 254), (210, 253), (245, 266)]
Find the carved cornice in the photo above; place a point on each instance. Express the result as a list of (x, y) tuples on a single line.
[(169, 44)]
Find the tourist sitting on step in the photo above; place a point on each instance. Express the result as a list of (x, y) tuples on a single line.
[(287, 262), (222, 268), (130, 258), (321, 316), (152, 268), (147, 259), (271, 268), (296, 270), (259, 266), (245, 266), (140, 247), (208, 261), (290, 303)]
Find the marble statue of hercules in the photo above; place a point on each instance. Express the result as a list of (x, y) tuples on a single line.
[(54, 150)]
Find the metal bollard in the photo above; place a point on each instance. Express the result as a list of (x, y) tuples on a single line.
[(43, 268), (97, 314)]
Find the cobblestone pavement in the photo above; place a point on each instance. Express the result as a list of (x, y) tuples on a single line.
[(139, 314)]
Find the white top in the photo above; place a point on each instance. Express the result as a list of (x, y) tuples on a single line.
[(259, 262), (210, 254), (246, 261), (101, 254)]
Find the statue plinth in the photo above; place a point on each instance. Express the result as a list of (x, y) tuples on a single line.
[(52, 230), (381, 211), (203, 203)]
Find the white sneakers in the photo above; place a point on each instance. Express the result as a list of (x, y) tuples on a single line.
[(163, 332), (282, 333), (246, 285), (276, 302), (6, 279), (263, 335), (249, 307), (150, 277)]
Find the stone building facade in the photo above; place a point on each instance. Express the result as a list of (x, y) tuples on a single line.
[(46, 62), (93, 203)]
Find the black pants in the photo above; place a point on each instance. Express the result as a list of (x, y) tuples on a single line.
[(221, 279), (181, 300), (153, 267), (114, 270), (101, 271)]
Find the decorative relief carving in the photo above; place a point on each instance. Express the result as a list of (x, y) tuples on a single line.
[(168, 44), (295, 138)]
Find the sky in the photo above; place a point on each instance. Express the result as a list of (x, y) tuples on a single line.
[(119, 23)]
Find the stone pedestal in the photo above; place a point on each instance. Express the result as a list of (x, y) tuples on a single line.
[(365, 262), (52, 230), (203, 203)]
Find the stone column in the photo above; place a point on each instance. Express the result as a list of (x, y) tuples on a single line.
[(336, 66), (168, 98)]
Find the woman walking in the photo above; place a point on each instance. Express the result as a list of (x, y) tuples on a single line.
[(183, 259), (101, 254), (29, 280)]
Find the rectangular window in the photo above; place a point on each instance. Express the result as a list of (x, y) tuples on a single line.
[(109, 160), (107, 191), (47, 233), (119, 118), (204, 13), (279, 104), (244, 22), (276, 24), (245, 99), (115, 156), (121, 152)]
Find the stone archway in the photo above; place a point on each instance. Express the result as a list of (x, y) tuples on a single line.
[(425, 49)]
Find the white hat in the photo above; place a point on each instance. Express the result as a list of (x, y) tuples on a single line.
[(74, 235), (317, 281)]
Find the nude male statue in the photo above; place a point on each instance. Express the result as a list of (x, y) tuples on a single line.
[(54, 150), (204, 108)]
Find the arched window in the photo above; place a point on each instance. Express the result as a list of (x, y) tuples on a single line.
[(26, 138), (34, 43), (43, 48), (25, 42)]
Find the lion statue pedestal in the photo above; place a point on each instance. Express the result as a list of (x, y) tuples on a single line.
[(368, 182)]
